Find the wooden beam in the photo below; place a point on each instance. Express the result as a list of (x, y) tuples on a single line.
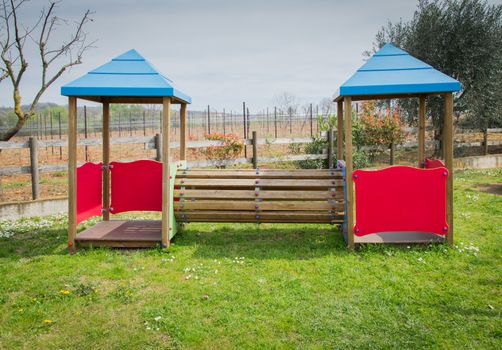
[(421, 131), (330, 148), (300, 184), (297, 195), (131, 99), (166, 188), (251, 205), (448, 157), (339, 127), (384, 96), (183, 134), (106, 161), (72, 172), (349, 182)]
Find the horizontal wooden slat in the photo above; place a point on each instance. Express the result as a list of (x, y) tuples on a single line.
[(251, 205), (242, 216), (248, 194), (273, 183), (262, 174)]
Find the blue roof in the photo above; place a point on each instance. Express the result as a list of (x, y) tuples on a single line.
[(127, 75), (393, 71)]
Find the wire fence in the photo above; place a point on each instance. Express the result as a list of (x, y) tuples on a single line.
[(272, 122)]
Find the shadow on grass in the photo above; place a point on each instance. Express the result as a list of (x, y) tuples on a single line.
[(266, 241), (30, 244)]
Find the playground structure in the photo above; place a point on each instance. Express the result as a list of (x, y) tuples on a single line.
[(393, 205)]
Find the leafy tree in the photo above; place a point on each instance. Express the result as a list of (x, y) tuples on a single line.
[(54, 57), (463, 39)]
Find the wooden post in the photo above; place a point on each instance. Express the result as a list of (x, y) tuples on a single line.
[(208, 120), (255, 150), (339, 130), (421, 131), (245, 128), (35, 178), (85, 134), (349, 182), (485, 142), (448, 157), (311, 122), (166, 188), (183, 131), (106, 161), (330, 149), (275, 122), (72, 172)]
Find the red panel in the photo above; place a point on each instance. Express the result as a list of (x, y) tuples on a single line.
[(400, 198), (136, 186), (89, 191), (434, 163)]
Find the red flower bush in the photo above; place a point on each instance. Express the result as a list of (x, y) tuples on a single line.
[(231, 146)]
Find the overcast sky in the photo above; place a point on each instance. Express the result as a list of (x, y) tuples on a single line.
[(223, 52)]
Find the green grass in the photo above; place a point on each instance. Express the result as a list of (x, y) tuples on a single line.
[(246, 286)]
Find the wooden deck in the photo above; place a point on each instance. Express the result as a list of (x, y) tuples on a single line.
[(122, 234), (400, 238)]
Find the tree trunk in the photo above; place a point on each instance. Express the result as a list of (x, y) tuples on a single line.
[(14, 130), (438, 145), (485, 142), (391, 154)]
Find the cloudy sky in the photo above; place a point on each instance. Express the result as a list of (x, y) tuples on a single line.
[(223, 52)]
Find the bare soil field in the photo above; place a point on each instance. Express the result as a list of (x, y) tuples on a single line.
[(18, 187)]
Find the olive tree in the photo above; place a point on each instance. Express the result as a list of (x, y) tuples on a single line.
[(463, 39)]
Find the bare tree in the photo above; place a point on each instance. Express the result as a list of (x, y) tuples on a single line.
[(326, 106), (55, 58), (286, 102)]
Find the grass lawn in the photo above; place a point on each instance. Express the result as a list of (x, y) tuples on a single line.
[(247, 286)]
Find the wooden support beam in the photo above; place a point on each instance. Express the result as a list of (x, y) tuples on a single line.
[(339, 127), (183, 134), (72, 172), (255, 149), (448, 158), (421, 131), (106, 160), (330, 148), (166, 188), (34, 168), (349, 182)]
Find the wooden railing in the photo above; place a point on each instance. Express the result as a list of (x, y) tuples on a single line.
[(150, 143)]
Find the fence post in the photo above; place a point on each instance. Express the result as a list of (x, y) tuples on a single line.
[(330, 148), (158, 147), (255, 150), (85, 134), (275, 122), (311, 122), (59, 126), (208, 120), (244, 131), (35, 190)]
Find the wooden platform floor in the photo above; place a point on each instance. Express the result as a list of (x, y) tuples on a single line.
[(400, 238), (122, 234)]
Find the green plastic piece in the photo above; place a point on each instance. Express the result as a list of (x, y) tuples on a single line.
[(173, 169)]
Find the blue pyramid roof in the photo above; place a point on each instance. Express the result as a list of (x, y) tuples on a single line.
[(392, 71), (127, 75)]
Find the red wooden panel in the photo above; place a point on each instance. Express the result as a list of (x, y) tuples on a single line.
[(89, 191), (434, 163), (136, 186), (399, 199)]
